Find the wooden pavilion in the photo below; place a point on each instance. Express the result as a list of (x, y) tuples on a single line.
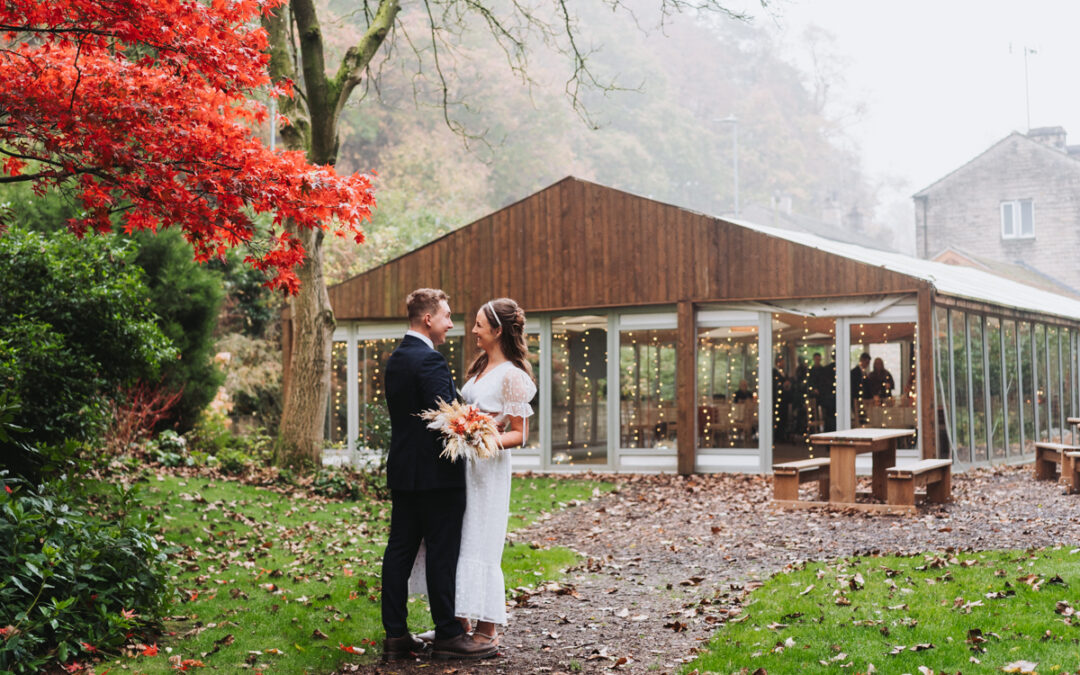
[(669, 340)]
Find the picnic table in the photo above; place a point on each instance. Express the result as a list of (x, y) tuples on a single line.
[(845, 445)]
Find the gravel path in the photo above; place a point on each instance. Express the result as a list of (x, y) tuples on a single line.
[(668, 558)]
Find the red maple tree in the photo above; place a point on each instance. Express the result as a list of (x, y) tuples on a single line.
[(141, 109)]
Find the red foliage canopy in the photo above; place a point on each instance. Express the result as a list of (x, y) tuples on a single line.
[(140, 108)]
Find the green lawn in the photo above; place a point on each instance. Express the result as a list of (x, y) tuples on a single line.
[(279, 584), (941, 612)]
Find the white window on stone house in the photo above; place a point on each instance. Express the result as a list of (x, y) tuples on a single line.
[(1018, 219)]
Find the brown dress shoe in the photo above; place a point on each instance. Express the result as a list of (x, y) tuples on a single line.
[(402, 647), (463, 647)]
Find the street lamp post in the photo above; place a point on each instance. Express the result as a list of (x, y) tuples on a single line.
[(734, 122)]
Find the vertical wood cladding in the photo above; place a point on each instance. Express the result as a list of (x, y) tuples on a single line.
[(579, 245)]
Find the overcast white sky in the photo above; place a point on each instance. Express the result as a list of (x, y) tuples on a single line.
[(937, 77)]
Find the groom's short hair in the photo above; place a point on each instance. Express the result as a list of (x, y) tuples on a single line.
[(424, 301)]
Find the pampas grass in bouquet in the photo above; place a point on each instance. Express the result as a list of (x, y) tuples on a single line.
[(469, 431)]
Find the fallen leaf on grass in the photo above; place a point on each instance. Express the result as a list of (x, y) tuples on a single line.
[(1019, 667)]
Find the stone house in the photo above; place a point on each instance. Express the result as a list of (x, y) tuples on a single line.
[(1018, 202)]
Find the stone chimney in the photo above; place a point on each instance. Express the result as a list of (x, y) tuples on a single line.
[(1053, 137)]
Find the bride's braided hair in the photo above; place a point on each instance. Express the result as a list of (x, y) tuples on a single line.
[(507, 314)]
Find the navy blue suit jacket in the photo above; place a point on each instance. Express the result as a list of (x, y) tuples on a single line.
[(417, 377)]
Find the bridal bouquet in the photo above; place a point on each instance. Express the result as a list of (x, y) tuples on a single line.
[(469, 432)]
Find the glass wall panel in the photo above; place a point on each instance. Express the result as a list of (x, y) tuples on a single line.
[(804, 382), (1042, 411), (579, 390), (1068, 367), (336, 432), (978, 388), (995, 417), (454, 353), (1027, 384), (942, 382), (374, 432), (1056, 420), (647, 412), (1012, 388), (727, 387), (533, 440), (882, 373), (962, 417)]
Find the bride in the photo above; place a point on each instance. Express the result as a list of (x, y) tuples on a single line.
[(499, 382)]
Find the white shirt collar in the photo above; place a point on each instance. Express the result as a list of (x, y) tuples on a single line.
[(421, 336)]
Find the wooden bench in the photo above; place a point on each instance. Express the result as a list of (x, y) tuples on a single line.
[(1048, 457), (788, 476), (934, 474), (1070, 468)]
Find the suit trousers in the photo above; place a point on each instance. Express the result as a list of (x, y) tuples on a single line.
[(435, 517)]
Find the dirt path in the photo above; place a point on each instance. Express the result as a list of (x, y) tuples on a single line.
[(669, 557)]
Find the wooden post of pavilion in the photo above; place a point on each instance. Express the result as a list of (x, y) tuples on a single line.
[(685, 386)]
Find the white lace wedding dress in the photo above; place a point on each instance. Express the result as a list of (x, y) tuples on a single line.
[(505, 391)]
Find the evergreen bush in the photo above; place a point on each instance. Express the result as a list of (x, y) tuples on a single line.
[(74, 584), (76, 325)]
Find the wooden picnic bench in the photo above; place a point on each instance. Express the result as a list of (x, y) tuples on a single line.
[(845, 445), (1050, 456), (789, 475), (934, 474)]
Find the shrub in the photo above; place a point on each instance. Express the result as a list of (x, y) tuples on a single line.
[(169, 449), (234, 453), (348, 484), (134, 412), (71, 582), (75, 326), (186, 297), (250, 308), (252, 379)]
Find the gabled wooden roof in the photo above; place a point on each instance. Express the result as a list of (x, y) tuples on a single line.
[(579, 245)]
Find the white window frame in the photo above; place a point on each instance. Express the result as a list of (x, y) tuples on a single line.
[(1015, 206)]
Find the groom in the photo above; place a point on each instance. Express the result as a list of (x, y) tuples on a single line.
[(427, 491)]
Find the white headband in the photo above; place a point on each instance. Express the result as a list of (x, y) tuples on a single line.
[(494, 314)]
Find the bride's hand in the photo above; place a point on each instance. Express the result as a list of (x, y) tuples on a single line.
[(513, 432)]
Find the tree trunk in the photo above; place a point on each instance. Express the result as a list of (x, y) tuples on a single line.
[(304, 415)]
